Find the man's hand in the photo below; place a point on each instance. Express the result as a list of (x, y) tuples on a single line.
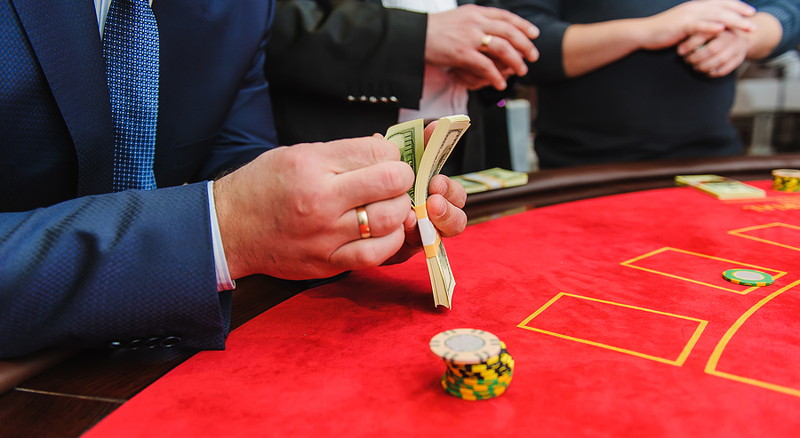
[(446, 198), (291, 212), (455, 40), (709, 17)]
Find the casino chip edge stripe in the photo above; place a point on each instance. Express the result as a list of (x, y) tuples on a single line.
[(739, 276)]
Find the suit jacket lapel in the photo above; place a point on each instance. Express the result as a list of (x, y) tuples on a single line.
[(65, 37)]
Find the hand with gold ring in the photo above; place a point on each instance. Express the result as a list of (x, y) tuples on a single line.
[(306, 211), (317, 209), (487, 44)]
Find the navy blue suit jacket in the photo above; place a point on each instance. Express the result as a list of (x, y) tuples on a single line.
[(82, 266)]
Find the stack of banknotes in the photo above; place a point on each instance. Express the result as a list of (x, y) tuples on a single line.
[(427, 160), (491, 179), (721, 187)]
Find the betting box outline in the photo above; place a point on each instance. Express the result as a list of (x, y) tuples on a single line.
[(713, 360), (776, 274), (687, 349), (741, 233)]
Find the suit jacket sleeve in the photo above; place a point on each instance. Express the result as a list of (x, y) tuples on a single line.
[(337, 49), (110, 269)]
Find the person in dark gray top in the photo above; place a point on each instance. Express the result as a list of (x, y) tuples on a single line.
[(632, 80)]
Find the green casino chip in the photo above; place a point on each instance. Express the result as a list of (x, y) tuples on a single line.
[(477, 390), (472, 382), (461, 392), (484, 376), (485, 385), (473, 395), (748, 277)]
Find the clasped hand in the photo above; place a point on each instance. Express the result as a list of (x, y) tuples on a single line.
[(711, 35)]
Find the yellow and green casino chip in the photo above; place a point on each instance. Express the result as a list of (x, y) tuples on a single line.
[(748, 277), (505, 378), (467, 393), (484, 375), (487, 389)]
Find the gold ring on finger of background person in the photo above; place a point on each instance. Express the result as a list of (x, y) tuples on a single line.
[(485, 41), (363, 222)]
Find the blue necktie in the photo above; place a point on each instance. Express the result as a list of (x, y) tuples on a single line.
[(130, 48)]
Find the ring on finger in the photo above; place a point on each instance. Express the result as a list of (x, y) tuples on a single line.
[(485, 41), (363, 222)]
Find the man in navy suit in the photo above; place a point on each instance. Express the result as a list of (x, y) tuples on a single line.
[(82, 266)]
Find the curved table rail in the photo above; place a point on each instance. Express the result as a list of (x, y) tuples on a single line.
[(548, 187)]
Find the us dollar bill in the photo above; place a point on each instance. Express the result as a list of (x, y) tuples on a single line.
[(426, 165), (410, 139)]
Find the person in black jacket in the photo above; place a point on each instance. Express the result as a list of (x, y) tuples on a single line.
[(344, 68)]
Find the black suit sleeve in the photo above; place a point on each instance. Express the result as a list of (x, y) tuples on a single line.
[(546, 15), (337, 49)]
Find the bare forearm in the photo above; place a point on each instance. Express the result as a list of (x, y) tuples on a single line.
[(588, 47), (765, 38)]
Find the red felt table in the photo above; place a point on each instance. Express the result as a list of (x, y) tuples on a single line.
[(614, 309)]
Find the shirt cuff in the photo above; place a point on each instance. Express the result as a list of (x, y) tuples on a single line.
[(224, 281)]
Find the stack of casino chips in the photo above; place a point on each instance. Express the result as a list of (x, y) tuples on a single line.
[(786, 180), (478, 364)]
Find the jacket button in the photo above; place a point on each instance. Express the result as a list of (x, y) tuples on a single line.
[(351, 98), (363, 98), (373, 99), (393, 99), (170, 341), (152, 342), (135, 344), (384, 99), (115, 344)]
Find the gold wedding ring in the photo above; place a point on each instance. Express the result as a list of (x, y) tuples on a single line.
[(363, 222), (485, 41)]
